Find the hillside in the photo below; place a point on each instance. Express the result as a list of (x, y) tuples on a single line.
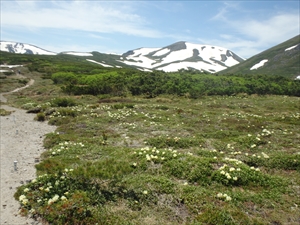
[(21, 48), (177, 56), (182, 55), (282, 59)]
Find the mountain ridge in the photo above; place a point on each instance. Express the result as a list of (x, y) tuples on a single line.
[(281, 59), (179, 55)]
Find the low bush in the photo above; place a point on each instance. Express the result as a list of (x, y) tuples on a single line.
[(40, 116), (63, 102)]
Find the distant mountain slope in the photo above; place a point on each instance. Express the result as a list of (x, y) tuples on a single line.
[(182, 55), (282, 59), (22, 48)]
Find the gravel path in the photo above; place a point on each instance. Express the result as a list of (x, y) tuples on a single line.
[(21, 139)]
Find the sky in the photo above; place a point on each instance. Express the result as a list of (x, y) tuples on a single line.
[(245, 27)]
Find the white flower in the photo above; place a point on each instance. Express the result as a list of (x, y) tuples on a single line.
[(220, 195), (228, 176), (63, 198), (22, 197), (26, 190), (235, 178), (228, 198), (232, 169), (55, 198), (265, 155), (148, 157), (145, 192)]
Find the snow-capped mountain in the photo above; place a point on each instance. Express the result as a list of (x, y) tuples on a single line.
[(15, 47), (182, 55)]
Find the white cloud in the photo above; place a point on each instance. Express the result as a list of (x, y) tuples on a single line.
[(96, 16), (272, 30), (248, 37)]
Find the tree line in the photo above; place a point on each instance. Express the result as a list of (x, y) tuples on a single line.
[(192, 84)]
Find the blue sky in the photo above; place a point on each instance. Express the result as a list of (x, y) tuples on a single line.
[(245, 27)]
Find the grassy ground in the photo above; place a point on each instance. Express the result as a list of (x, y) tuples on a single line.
[(165, 160)]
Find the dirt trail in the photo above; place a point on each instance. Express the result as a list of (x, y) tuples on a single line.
[(21, 139)]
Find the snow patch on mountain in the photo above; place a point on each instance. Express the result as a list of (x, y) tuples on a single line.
[(78, 53), (201, 66), (102, 64), (260, 64), (290, 48), (182, 55), (21, 48)]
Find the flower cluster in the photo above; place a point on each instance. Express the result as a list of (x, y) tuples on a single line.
[(155, 155), (56, 198), (64, 146), (231, 173), (129, 125), (224, 197), (23, 199), (122, 114)]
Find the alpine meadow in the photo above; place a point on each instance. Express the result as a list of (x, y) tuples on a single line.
[(157, 147)]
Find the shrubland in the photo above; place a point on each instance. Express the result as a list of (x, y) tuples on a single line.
[(159, 157)]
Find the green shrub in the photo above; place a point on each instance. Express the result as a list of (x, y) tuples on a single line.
[(190, 168), (176, 142), (4, 112), (52, 139), (63, 102), (40, 116), (122, 106), (278, 161)]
